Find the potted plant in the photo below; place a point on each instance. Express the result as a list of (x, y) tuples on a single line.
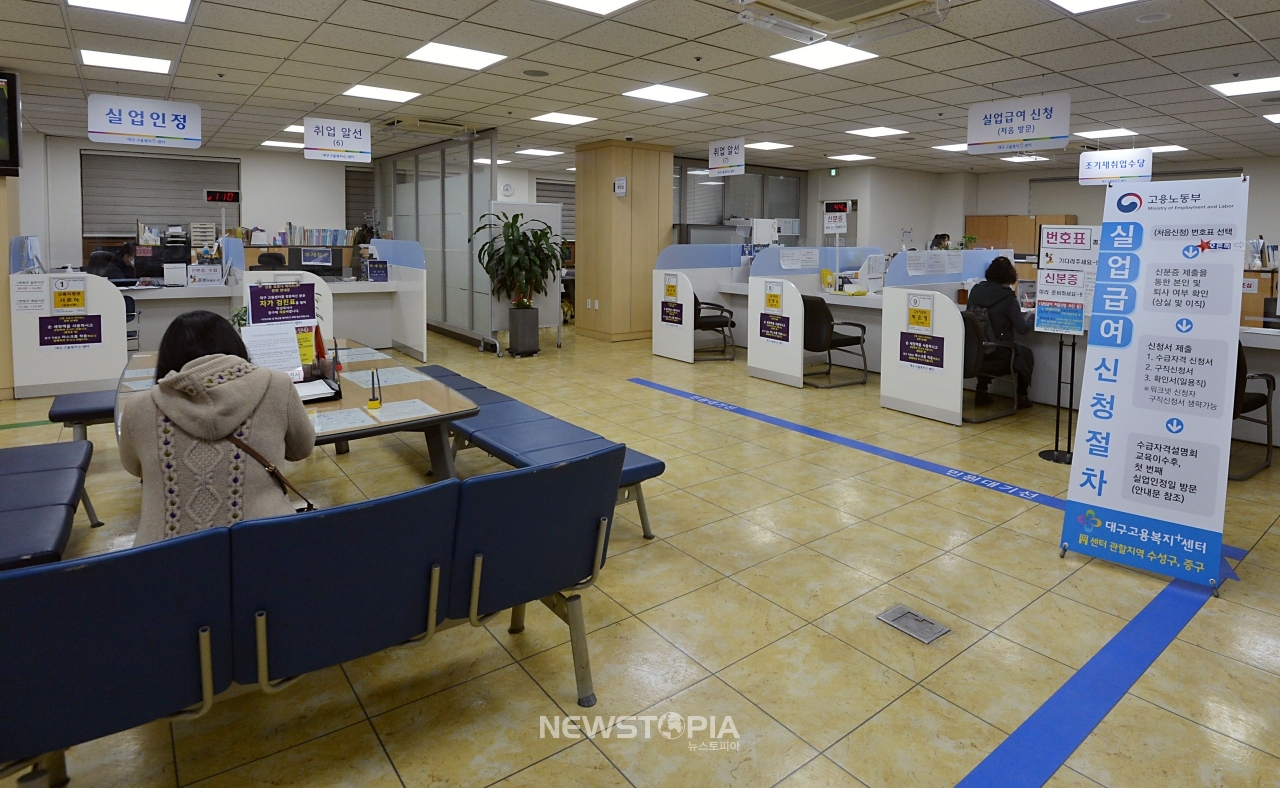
[(519, 259)]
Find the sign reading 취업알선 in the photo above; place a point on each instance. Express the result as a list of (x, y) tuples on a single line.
[(1100, 167), (727, 157), (1040, 122), (128, 120), (336, 140), (1149, 477), (281, 302)]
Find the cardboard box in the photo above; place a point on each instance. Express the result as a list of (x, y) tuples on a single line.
[(1258, 300)]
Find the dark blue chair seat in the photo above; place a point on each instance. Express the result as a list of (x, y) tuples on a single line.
[(90, 407), (483, 396), (568, 451), (436, 371), (639, 467), (509, 441), (496, 415), (46, 457), (34, 536), (459, 383), (41, 488)]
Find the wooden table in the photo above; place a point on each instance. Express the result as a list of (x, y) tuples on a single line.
[(435, 427)]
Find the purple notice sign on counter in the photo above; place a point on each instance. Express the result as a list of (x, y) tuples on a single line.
[(921, 351), (70, 332), (281, 302)]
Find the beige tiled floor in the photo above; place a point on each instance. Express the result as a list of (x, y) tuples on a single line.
[(758, 601)]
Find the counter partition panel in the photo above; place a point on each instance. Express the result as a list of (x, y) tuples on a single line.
[(68, 333)]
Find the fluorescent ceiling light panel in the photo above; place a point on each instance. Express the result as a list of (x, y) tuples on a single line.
[(851, 157), (698, 172), (599, 7), (1102, 134), (711, 183), (1082, 6), (1247, 86), (461, 57), (381, 94), (823, 55), (664, 93), (877, 131), (767, 145), (564, 118), (1021, 159), (1172, 148), (959, 147), (276, 144), (571, 169), (127, 62), (172, 10), (295, 129), (486, 161), (1272, 118), (537, 152)]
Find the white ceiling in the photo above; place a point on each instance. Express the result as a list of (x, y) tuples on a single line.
[(256, 66)]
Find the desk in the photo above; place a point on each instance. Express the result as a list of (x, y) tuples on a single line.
[(450, 404)]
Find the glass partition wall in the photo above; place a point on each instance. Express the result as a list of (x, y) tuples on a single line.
[(702, 205), (436, 195)]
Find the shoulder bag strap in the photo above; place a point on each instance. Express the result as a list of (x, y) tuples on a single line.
[(285, 486)]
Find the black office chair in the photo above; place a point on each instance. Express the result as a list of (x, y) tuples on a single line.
[(271, 260), (132, 315), (718, 321), (820, 336), (1248, 402), (991, 360), (98, 262)]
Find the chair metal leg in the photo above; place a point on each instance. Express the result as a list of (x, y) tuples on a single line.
[(517, 620), (644, 511), (831, 366), (80, 432), (264, 677), (94, 522), (581, 658), (1266, 462)]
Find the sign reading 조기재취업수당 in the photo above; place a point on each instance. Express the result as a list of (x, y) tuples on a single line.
[(1040, 122), (128, 120), (1149, 475), (336, 140), (1100, 167)]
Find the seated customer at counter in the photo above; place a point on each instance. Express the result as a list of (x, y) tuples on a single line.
[(175, 436), (997, 295)]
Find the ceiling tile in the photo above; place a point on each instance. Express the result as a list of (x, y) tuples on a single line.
[(985, 17), (275, 25), (1043, 38), (576, 57), (647, 71), (539, 19), (617, 37), (687, 55), (1187, 39)]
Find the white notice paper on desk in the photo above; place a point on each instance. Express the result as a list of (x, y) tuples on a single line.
[(139, 385), (346, 419), (314, 389), (275, 346), (140, 373), (361, 354), (404, 409), (387, 376)]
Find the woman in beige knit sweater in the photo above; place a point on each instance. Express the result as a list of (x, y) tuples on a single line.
[(174, 435)]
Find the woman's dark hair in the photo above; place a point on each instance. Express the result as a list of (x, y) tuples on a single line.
[(1002, 272), (127, 248), (195, 334)]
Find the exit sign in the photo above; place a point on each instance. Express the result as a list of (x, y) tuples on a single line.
[(219, 195)]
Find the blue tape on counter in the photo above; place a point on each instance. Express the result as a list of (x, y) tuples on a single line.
[(888, 454), (1038, 748)]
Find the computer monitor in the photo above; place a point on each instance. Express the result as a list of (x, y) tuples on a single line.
[(150, 260), (319, 260)]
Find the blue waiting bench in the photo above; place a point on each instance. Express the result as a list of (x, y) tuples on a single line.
[(265, 601), (522, 436), (40, 488)]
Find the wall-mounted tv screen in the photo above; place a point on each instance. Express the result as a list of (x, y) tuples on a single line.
[(9, 111)]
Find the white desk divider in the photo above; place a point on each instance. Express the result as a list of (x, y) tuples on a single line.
[(407, 270), (775, 331), (922, 354), (68, 334), (673, 316), (324, 296)]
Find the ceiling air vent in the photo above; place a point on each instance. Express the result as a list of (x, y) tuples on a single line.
[(843, 12)]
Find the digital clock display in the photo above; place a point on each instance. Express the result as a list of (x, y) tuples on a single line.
[(221, 196)]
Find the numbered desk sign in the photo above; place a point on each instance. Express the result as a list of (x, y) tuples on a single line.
[(336, 140), (1149, 476), (670, 287), (69, 297), (920, 313), (773, 296)]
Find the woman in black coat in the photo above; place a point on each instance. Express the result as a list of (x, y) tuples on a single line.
[(997, 295)]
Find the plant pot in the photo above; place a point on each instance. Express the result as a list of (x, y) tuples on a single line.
[(524, 332)]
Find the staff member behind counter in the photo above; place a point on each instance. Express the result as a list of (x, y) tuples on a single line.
[(121, 266), (997, 296)]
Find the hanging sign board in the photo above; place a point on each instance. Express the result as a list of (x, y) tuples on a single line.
[(126, 120), (1100, 167), (1149, 478), (726, 157), (1040, 122), (835, 217), (336, 140), (1062, 299)]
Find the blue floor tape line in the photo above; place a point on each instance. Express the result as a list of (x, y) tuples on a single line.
[(1040, 746), (1234, 553)]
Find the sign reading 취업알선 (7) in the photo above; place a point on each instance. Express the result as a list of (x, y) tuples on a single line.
[(1040, 122), (1149, 473), (128, 120), (726, 157), (336, 140), (1100, 167)]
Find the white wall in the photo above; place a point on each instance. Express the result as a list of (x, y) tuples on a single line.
[(891, 199), (274, 188), (524, 182)]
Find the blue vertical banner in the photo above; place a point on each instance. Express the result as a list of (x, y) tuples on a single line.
[(1149, 477)]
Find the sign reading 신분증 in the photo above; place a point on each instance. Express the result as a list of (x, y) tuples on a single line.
[(1040, 122), (1062, 298), (128, 120), (1149, 476), (336, 140)]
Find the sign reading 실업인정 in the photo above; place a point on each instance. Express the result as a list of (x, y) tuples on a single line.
[(1030, 123), (128, 120), (1149, 476), (336, 140)]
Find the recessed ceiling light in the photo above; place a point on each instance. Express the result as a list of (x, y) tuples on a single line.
[(172, 10), (851, 157), (564, 117), (295, 129), (1247, 86), (1272, 118), (537, 152), (956, 148), (486, 161), (1082, 6), (381, 94), (276, 144), (767, 145), (534, 72), (571, 169), (127, 62), (876, 131), (1102, 134), (711, 183), (599, 7), (461, 57), (1021, 159), (664, 93), (1147, 19), (823, 55), (698, 172), (1172, 148)]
